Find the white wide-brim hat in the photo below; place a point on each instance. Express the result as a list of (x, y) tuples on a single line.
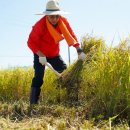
[(53, 8)]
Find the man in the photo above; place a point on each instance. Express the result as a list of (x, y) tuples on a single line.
[(44, 42)]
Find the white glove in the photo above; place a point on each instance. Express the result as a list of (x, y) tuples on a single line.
[(82, 56), (42, 60)]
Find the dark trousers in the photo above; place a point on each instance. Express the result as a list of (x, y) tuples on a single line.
[(37, 81)]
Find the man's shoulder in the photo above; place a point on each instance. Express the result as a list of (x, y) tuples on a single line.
[(40, 22), (40, 26), (64, 19)]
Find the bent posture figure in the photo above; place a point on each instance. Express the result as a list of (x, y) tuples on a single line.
[(44, 42)]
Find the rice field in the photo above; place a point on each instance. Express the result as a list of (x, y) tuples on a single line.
[(91, 95)]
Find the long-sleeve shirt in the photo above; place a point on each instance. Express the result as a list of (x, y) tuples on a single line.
[(41, 40)]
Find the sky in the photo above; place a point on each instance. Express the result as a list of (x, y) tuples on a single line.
[(108, 19)]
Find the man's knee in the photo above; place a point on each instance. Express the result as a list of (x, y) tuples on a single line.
[(64, 67)]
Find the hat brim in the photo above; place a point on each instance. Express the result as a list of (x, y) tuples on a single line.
[(53, 13)]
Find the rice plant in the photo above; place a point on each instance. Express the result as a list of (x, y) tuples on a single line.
[(97, 89)]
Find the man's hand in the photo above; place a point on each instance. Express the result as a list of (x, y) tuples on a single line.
[(42, 60), (81, 54), (79, 50)]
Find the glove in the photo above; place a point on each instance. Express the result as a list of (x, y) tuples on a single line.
[(79, 50), (42, 60), (82, 56)]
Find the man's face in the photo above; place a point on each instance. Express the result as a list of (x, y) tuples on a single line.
[(53, 19)]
